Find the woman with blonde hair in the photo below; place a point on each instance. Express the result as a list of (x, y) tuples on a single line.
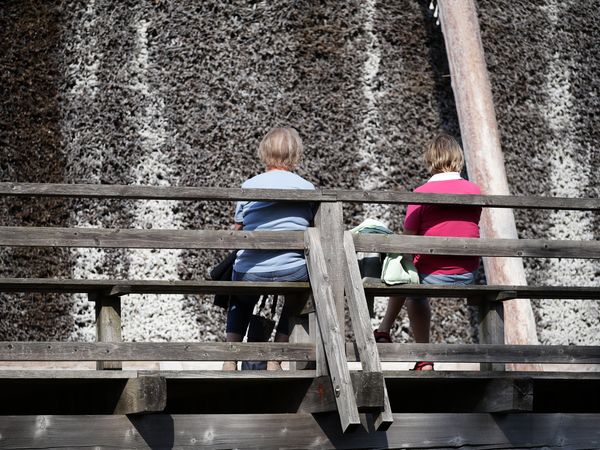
[(444, 160), (280, 151)]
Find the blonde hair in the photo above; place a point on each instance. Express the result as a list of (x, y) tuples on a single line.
[(281, 148), (443, 154)]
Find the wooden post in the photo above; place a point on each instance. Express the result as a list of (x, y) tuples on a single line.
[(491, 327), (142, 395), (483, 154), (361, 324), (330, 222), (108, 324), (333, 340)]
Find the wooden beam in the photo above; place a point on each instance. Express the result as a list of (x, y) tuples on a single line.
[(329, 221), (289, 431), (506, 395), (491, 327), (560, 354), (155, 351), (393, 243), (123, 287), (363, 333), (320, 396), (483, 154), (142, 395), (108, 325), (333, 339), (500, 293), (134, 238), (250, 351), (129, 192)]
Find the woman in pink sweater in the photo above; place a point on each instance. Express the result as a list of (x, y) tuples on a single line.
[(444, 160)]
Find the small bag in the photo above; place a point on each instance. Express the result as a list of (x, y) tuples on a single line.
[(223, 272), (398, 269)]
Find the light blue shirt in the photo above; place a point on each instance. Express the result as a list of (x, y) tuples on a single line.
[(272, 216)]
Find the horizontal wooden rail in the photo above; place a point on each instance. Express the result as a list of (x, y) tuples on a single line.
[(218, 351), (486, 353), (319, 195), (394, 243), (135, 238), (289, 240), (499, 292), (154, 351), (123, 287)]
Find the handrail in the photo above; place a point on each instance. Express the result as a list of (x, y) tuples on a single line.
[(132, 192)]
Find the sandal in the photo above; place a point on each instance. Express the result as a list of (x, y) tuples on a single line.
[(382, 337), (421, 365)]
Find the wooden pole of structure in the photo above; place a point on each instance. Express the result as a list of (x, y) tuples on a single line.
[(483, 154)]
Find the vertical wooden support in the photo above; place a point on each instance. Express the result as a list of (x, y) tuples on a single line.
[(300, 328), (361, 324), (108, 324), (330, 222), (321, 359), (491, 327), (483, 154), (333, 340)]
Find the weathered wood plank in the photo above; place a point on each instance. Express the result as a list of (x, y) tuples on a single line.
[(560, 354), (286, 374), (108, 324), (154, 351), (491, 327), (135, 238), (324, 195), (506, 395), (320, 396), (287, 431), (477, 247), (361, 325), (142, 395), (123, 287), (66, 374), (320, 357), (248, 351), (252, 287), (329, 220), (428, 290), (333, 339)]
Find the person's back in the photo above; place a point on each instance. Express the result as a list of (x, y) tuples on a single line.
[(445, 221), (272, 216)]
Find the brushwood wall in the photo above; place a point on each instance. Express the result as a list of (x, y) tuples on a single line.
[(180, 93)]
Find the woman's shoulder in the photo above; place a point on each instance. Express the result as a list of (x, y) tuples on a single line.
[(277, 179), (455, 186)]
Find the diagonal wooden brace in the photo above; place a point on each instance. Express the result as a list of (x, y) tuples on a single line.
[(333, 340), (361, 324)]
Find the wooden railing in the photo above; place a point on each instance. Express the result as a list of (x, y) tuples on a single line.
[(318, 334)]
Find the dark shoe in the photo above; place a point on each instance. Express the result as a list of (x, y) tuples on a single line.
[(421, 365), (382, 337)]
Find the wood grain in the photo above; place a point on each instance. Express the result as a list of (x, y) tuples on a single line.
[(324, 195), (291, 431), (154, 351), (333, 339), (135, 238), (559, 354), (476, 247)]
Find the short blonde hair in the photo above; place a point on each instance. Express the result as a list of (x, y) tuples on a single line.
[(281, 147), (443, 154)]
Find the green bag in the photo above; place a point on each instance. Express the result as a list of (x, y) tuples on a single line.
[(398, 269)]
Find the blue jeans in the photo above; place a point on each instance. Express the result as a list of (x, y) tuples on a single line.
[(456, 279), (242, 306)]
